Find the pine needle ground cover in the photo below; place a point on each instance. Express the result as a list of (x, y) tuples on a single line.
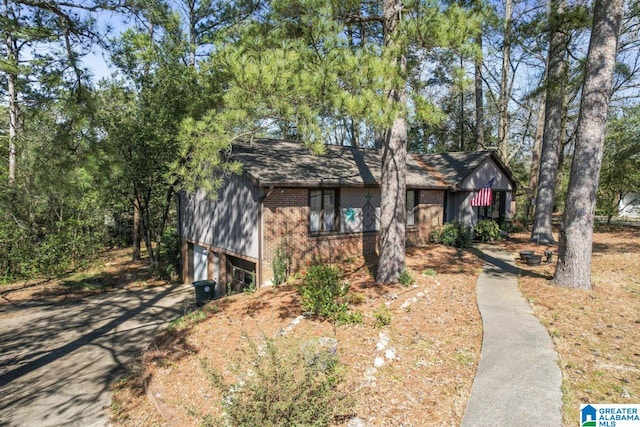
[(436, 338), (596, 333), (416, 367)]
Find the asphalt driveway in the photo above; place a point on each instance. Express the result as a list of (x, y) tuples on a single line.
[(58, 361)]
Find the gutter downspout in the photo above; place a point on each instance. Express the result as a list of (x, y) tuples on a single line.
[(261, 200)]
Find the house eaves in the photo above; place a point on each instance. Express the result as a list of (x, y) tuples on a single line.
[(278, 163), (275, 163)]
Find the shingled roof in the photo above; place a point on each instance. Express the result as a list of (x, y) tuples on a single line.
[(284, 163)]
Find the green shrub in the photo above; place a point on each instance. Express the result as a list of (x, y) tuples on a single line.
[(169, 261), (323, 294), (382, 316), (288, 385), (449, 235), (436, 236), (36, 242), (251, 287), (487, 230), (512, 227), (429, 272), (507, 227), (456, 235), (405, 278), (344, 317), (320, 290), (355, 298), (280, 264), (464, 238)]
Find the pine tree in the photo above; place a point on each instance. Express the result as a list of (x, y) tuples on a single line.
[(576, 233), (307, 67), (555, 98)]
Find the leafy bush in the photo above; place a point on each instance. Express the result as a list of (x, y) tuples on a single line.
[(37, 240), (280, 264), (429, 272), (405, 278), (512, 227), (250, 288), (344, 317), (287, 386), (487, 230), (382, 316), (323, 294), (355, 298), (320, 289), (452, 234), (436, 236), (170, 258), (32, 252)]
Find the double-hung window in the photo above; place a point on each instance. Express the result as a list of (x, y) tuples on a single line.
[(412, 208), (323, 210)]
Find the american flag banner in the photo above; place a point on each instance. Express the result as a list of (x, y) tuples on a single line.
[(485, 195)]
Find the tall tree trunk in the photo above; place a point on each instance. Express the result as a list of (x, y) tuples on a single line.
[(136, 229), (354, 133), (479, 134), (563, 145), (461, 119), (535, 158), (192, 48), (394, 161), (536, 151), (503, 107), (552, 137), (193, 33), (576, 236), (12, 92)]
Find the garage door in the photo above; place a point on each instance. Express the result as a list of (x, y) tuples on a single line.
[(200, 255)]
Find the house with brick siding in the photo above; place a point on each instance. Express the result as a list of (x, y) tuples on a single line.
[(325, 207)]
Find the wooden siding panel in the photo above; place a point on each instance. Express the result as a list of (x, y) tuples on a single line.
[(229, 223), (483, 174)]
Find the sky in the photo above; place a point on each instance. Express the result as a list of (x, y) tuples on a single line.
[(98, 60)]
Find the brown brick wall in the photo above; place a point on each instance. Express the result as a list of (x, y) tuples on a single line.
[(286, 222), (286, 219), (430, 216)]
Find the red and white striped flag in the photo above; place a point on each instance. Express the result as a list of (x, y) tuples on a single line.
[(485, 195)]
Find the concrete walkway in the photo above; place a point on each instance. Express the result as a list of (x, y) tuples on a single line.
[(58, 360), (518, 381)]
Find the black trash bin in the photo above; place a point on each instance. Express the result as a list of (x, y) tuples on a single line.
[(204, 291)]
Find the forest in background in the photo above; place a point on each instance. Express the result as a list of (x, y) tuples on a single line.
[(90, 164)]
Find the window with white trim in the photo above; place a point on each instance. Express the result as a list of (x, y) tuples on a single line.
[(323, 212), (412, 207)]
